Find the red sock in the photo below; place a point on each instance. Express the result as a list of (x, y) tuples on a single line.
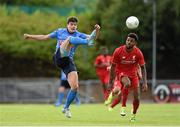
[(116, 101), (106, 94), (125, 93), (135, 106)]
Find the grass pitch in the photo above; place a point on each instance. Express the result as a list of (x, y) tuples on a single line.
[(88, 115)]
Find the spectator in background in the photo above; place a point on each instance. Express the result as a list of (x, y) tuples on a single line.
[(102, 63)]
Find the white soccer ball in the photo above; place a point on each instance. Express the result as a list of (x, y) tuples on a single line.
[(132, 22)]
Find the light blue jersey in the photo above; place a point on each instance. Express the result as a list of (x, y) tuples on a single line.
[(62, 34)]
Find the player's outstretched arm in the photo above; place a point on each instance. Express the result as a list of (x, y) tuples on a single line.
[(37, 37), (144, 77)]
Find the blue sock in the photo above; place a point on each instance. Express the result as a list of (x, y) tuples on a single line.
[(70, 97), (77, 40), (60, 97), (77, 99)]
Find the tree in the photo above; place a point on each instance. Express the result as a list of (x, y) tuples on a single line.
[(112, 15)]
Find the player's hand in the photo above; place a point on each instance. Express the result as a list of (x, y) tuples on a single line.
[(26, 36), (97, 27), (144, 87), (108, 68)]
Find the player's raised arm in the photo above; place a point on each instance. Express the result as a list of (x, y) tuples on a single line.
[(37, 37)]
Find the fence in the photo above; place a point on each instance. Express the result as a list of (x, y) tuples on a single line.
[(44, 90)]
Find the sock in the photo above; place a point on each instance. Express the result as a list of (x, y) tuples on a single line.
[(115, 102), (77, 40), (106, 94), (60, 97), (125, 93), (70, 97), (135, 106), (77, 99)]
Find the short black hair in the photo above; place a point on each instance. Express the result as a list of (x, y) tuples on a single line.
[(133, 35), (72, 19)]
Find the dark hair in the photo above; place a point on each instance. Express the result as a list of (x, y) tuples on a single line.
[(72, 19), (133, 35)]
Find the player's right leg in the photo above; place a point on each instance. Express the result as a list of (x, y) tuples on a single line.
[(88, 41), (114, 93), (117, 84), (115, 102), (125, 91)]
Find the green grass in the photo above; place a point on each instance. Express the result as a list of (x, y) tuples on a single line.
[(88, 114)]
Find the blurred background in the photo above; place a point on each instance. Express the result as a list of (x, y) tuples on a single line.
[(28, 75)]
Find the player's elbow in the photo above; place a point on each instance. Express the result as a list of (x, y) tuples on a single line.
[(45, 37)]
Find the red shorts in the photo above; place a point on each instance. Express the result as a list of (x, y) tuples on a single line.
[(104, 78), (134, 81), (117, 83)]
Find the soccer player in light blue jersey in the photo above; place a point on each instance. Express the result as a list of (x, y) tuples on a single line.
[(68, 39)]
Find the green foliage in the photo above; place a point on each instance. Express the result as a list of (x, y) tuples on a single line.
[(38, 54), (112, 15)]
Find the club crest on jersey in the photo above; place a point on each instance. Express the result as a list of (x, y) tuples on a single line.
[(134, 57), (123, 57)]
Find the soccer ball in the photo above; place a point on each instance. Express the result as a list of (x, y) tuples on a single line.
[(132, 22)]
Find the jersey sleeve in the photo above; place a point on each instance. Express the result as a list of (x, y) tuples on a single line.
[(141, 58), (97, 61), (115, 57), (54, 34), (83, 35)]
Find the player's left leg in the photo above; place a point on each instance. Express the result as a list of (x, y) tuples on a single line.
[(61, 91), (69, 68), (136, 95)]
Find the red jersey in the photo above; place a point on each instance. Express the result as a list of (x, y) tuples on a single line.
[(127, 62), (102, 59)]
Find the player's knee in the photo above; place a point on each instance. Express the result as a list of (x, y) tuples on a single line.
[(75, 86), (116, 90), (68, 39), (137, 97), (126, 81)]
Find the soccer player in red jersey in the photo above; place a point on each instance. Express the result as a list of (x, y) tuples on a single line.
[(102, 62), (125, 62), (117, 85)]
